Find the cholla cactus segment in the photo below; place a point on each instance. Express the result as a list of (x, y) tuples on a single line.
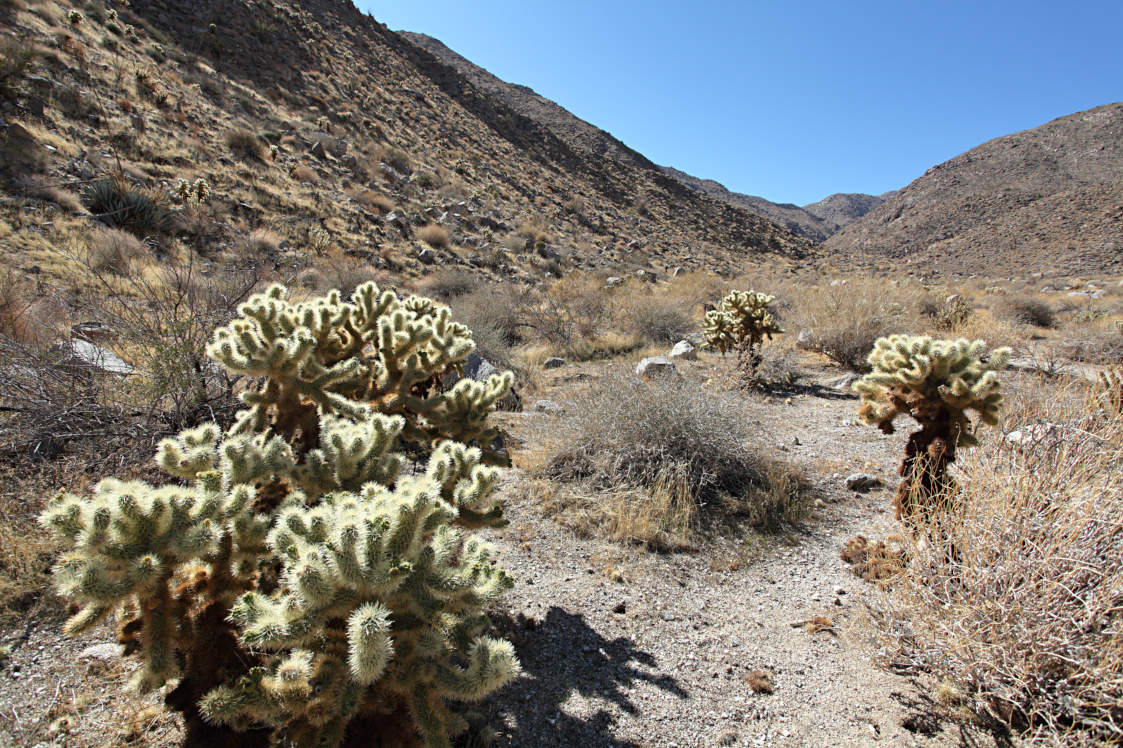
[(916, 375), (290, 578), (411, 589), (377, 349), (742, 320)]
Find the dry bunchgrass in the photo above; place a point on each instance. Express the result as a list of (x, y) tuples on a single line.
[(433, 235), (114, 251), (448, 283), (245, 144), (1017, 595), (654, 462), (371, 200)]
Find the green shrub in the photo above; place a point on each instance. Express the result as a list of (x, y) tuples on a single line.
[(116, 202), (290, 578)]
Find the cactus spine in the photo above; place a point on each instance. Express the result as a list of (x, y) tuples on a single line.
[(741, 323), (292, 580), (936, 382)]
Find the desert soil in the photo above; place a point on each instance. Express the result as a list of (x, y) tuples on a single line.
[(619, 646)]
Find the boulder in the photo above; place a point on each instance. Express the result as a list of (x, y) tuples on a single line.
[(549, 407), (478, 368), (553, 362), (805, 341), (684, 350), (427, 256), (655, 366), (862, 482), (82, 355), (613, 281)]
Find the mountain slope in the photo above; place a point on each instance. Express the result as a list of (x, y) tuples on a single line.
[(584, 136), (1040, 199), (315, 123)]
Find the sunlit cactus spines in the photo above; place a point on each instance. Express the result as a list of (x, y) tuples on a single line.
[(291, 582), (938, 383), (741, 323)]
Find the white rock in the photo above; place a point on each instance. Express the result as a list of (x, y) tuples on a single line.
[(684, 350), (655, 366)]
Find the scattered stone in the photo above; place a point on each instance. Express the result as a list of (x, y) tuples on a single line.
[(549, 407), (805, 341), (667, 615), (317, 150), (620, 608), (842, 383), (553, 362), (685, 351), (613, 281), (862, 482), (676, 272), (654, 366), (727, 738), (104, 653), (427, 256)]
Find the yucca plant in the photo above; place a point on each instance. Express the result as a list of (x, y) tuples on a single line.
[(118, 203)]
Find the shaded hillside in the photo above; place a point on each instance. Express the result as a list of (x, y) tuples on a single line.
[(1050, 198), (316, 123)]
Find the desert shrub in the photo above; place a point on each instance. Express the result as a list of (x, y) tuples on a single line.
[(948, 313), (776, 369), (16, 58), (533, 230), (1026, 310), (262, 243), (245, 144), (433, 235), (1015, 601), (572, 309), (1100, 346), (496, 314), (288, 579), (114, 251), (374, 201), (659, 320), (672, 435), (398, 160), (117, 203), (448, 283), (346, 275), (304, 174), (844, 321), (427, 180)]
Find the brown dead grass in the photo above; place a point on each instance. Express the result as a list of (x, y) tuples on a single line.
[(433, 235), (1014, 594)]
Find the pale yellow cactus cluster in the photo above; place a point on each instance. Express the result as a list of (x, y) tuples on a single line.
[(919, 375), (741, 322), (291, 578)]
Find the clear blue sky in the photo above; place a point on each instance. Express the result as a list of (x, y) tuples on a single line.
[(793, 100)]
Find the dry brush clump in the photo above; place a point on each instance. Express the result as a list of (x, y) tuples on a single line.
[(1016, 601), (1026, 310), (674, 458), (843, 320), (659, 320)]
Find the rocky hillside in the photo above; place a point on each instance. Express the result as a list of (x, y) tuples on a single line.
[(1045, 199), (586, 137), (346, 143), (842, 209)]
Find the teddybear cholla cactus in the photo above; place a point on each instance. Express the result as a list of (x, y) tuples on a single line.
[(740, 323), (936, 382), (301, 590)]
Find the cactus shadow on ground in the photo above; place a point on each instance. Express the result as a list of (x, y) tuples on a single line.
[(563, 656)]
